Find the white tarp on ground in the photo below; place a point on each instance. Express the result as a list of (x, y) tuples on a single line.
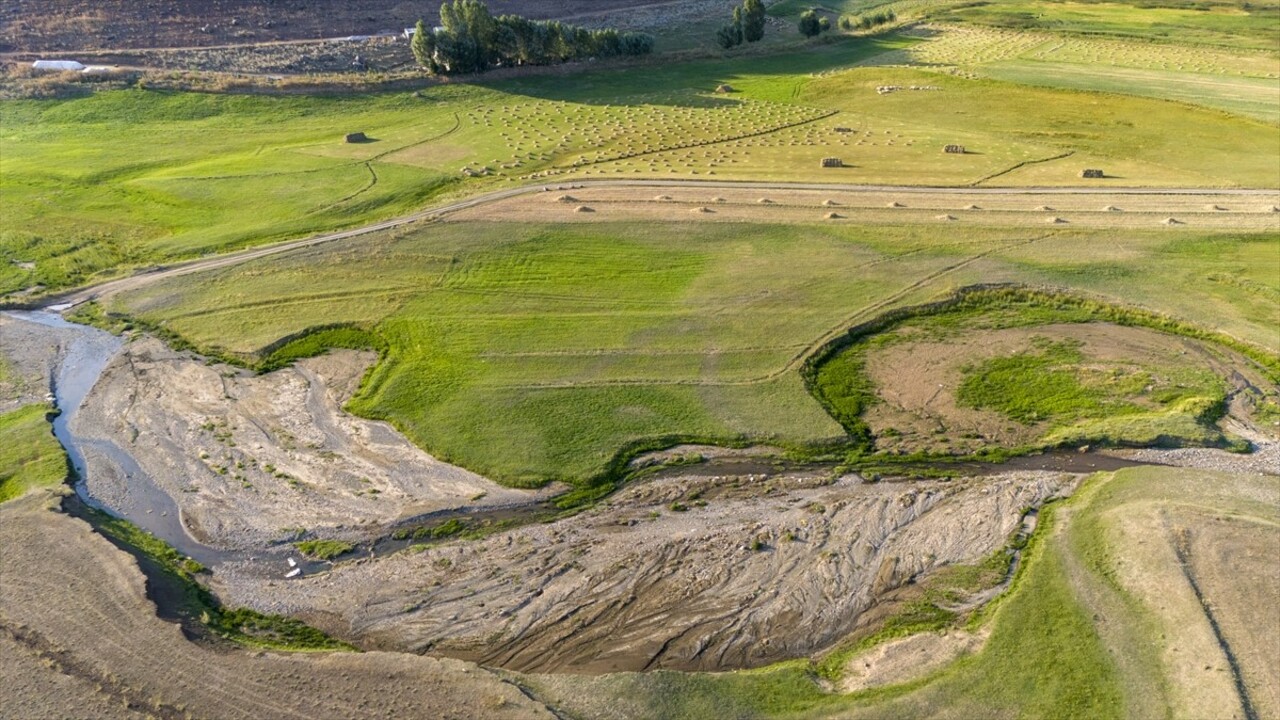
[(57, 65)]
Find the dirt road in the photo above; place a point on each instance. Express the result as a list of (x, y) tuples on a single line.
[(642, 188)]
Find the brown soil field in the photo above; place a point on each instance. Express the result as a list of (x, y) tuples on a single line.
[(75, 618), (917, 379), (1225, 526), (246, 456), (1233, 560), (725, 203), (745, 570), (69, 25)]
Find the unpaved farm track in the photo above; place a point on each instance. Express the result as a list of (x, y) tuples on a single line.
[(74, 615), (132, 282)]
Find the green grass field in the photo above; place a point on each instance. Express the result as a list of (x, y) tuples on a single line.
[(30, 457), (187, 174), (537, 352)]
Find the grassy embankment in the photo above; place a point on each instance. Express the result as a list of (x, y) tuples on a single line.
[(175, 575), (30, 456), (529, 353), (243, 170)]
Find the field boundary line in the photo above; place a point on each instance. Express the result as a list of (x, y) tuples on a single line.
[(1021, 165)]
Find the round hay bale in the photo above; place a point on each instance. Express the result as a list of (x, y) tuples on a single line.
[(946, 218), (765, 201), (896, 205), (833, 216), (583, 209), (1056, 221), (829, 203), (724, 88), (1171, 221), (1111, 208), (663, 198), (972, 207), (1044, 208), (703, 209), (566, 199)]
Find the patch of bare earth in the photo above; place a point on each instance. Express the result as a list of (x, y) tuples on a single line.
[(246, 457), (683, 572), (917, 378), (905, 659), (74, 617)]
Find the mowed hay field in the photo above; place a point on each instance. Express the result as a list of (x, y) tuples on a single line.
[(178, 175), (531, 352)]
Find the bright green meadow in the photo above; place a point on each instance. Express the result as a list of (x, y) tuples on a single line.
[(537, 352)]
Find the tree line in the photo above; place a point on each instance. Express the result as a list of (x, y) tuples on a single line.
[(470, 39), (747, 25)]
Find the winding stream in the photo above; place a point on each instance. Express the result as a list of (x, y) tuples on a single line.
[(89, 350), (75, 371)]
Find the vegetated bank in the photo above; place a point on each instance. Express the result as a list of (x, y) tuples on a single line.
[(534, 353)]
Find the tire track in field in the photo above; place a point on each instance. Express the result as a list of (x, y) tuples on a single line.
[(1021, 165)]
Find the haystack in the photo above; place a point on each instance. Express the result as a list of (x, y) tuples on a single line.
[(1171, 221), (833, 216), (662, 198), (765, 201), (972, 207), (1044, 208), (702, 210), (583, 209), (566, 199), (896, 205), (946, 217), (1111, 208), (357, 137), (830, 203), (724, 88), (1056, 221)]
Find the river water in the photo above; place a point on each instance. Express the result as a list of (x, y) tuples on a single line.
[(82, 359)]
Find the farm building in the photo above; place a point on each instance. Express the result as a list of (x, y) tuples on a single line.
[(57, 65)]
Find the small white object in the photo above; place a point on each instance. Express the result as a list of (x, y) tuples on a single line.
[(57, 65), (293, 573), (292, 562)]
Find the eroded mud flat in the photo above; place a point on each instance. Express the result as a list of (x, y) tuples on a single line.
[(686, 571), (250, 460), (79, 638)]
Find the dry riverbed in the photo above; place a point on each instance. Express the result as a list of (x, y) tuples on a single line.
[(250, 460), (686, 571)]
